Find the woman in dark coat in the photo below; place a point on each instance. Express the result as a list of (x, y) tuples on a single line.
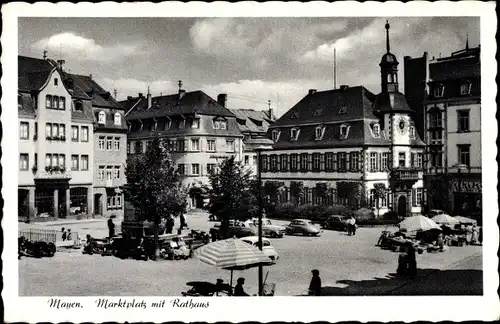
[(315, 285)]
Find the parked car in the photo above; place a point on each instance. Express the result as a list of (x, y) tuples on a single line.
[(302, 226), (267, 248), (238, 229), (268, 229), (434, 212), (335, 222)]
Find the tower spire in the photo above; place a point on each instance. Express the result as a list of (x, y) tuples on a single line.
[(387, 44), (467, 43)]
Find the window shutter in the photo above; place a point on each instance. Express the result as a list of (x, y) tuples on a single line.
[(412, 160), (414, 197)]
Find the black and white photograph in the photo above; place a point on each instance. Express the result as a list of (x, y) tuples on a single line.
[(228, 153)]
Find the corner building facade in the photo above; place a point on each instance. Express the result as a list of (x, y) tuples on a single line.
[(338, 146)]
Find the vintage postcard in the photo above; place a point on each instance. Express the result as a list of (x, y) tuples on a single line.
[(321, 161)]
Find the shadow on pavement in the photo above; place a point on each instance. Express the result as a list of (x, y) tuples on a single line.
[(429, 282)]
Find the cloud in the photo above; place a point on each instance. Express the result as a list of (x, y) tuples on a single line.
[(78, 47)]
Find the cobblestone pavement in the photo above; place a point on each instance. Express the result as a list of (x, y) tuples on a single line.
[(348, 265)]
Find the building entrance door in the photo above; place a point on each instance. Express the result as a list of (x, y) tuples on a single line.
[(402, 206), (97, 204)]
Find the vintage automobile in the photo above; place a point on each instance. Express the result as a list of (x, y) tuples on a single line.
[(335, 222), (268, 229), (267, 248), (236, 229), (302, 226)]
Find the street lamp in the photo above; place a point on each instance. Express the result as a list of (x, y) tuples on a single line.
[(262, 145)]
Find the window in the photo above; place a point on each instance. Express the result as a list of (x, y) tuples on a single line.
[(354, 161), (402, 159), (412, 131), (284, 162), (101, 143), (329, 162), (438, 90), (101, 173), (211, 145), (463, 120), (24, 130), (254, 160), (342, 162), (342, 110), (128, 147), (109, 143), (139, 147), (376, 130), (118, 119), (304, 167), (195, 145), (55, 102), (316, 162), (216, 124), (294, 115), (181, 145), (117, 144), (118, 201), (384, 166), (293, 162), (464, 154), (48, 101), (344, 131), (436, 158), (74, 163), (182, 123), (116, 172), (168, 123), (48, 160), (62, 131), (74, 133), (274, 163), (436, 118), (85, 134), (417, 196), (210, 168), (195, 169), (102, 117), (23, 162), (61, 160), (78, 106), (436, 136), (223, 125), (181, 169), (62, 103), (294, 134), (195, 123), (275, 135), (318, 112), (35, 136), (320, 130), (247, 159), (465, 88), (230, 145), (55, 130), (373, 162), (109, 173), (420, 160), (56, 81)]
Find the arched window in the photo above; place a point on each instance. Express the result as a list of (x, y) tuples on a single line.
[(118, 119), (319, 132), (48, 101), (102, 117)]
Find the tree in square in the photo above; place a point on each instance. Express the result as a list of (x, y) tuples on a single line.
[(153, 186)]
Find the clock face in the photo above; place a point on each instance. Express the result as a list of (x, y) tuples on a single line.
[(402, 125)]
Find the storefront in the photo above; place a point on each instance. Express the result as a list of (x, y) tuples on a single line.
[(467, 197)]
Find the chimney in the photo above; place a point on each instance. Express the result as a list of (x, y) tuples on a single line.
[(129, 98), (150, 99), (222, 99), (45, 54), (312, 91), (181, 93), (270, 113), (344, 87), (60, 64), (90, 75)]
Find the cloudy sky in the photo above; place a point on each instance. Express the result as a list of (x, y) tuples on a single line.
[(253, 60)]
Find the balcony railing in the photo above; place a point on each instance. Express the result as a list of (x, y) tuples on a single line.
[(401, 173)]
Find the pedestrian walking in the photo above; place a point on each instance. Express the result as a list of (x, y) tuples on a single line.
[(475, 235), (64, 234), (111, 228), (315, 284), (480, 236)]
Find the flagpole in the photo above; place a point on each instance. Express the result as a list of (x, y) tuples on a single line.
[(334, 68)]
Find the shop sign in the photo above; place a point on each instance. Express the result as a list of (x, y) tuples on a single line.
[(467, 186), (217, 156)]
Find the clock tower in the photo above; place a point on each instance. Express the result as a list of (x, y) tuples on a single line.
[(395, 114)]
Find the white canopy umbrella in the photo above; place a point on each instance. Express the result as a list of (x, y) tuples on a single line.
[(418, 223), (465, 220), (445, 219)]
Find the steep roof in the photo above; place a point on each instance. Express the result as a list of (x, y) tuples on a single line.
[(170, 105), (25, 104), (463, 64), (330, 106), (391, 101), (253, 121), (32, 73), (87, 88)]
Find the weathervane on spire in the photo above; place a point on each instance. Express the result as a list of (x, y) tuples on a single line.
[(387, 26)]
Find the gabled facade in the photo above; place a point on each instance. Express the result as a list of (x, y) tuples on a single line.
[(451, 111), (340, 144), (109, 142), (200, 131), (48, 187)]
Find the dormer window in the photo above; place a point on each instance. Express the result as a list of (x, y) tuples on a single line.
[(294, 134), (319, 132), (196, 123), (318, 112), (294, 116), (465, 88), (182, 123), (275, 135), (344, 131), (438, 90), (216, 124), (412, 131), (342, 110), (78, 106), (118, 119), (376, 130), (223, 125), (102, 117), (168, 123)]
